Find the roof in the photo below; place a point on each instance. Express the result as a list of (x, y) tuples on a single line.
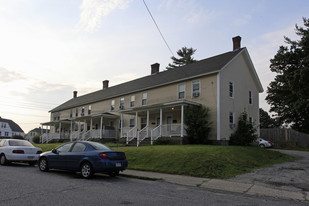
[(199, 68), (14, 127)]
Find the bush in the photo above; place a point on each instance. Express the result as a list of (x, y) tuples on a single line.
[(198, 127), (17, 137), (36, 139), (245, 133)]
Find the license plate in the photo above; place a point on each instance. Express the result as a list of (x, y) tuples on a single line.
[(118, 164), (30, 157)]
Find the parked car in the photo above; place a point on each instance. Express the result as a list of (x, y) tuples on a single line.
[(85, 157), (264, 143), (15, 150)]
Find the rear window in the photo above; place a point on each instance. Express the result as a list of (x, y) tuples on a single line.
[(99, 146), (20, 143)]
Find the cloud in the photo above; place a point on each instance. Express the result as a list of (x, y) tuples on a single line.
[(92, 12), (244, 19), (10, 76)]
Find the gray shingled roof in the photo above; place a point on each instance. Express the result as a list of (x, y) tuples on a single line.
[(202, 67), (15, 127)]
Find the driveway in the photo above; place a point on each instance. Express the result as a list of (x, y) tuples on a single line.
[(292, 176)]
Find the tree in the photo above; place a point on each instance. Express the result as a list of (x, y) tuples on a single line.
[(288, 94), (245, 132), (198, 127), (185, 58), (266, 121)]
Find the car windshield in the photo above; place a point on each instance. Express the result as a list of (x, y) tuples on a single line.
[(20, 143), (99, 146)]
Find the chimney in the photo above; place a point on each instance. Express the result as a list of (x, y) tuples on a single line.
[(155, 68), (105, 84), (74, 94), (236, 43)]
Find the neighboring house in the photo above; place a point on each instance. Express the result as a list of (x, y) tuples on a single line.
[(153, 106), (9, 129), (35, 132)]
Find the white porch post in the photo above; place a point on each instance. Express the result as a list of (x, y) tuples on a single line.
[(71, 131), (160, 122), (137, 136), (147, 123), (101, 127), (59, 129), (121, 126), (91, 128), (182, 120)]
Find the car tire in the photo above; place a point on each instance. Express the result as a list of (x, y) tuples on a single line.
[(86, 170), (43, 164), (113, 174), (3, 160), (262, 145)]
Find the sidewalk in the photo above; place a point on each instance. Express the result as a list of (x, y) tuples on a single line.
[(218, 184)]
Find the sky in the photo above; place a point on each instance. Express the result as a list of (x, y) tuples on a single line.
[(50, 48)]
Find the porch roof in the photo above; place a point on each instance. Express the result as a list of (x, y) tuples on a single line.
[(158, 106)]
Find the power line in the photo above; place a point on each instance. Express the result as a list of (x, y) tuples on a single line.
[(158, 27)]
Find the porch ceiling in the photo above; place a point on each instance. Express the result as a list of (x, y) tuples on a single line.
[(158, 106)]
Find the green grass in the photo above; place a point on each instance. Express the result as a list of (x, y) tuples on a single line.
[(202, 160), (197, 160)]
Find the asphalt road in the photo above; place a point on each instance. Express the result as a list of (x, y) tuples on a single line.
[(21, 184)]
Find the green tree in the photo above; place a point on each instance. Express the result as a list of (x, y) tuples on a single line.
[(266, 121), (288, 94), (198, 127), (245, 132), (185, 58)]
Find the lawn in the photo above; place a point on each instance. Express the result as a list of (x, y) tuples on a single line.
[(197, 160)]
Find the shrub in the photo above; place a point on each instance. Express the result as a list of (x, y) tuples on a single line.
[(17, 137), (36, 139), (245, 132), (198, 127)]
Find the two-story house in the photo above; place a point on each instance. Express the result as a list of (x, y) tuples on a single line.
[(9, 129), (154, 106)]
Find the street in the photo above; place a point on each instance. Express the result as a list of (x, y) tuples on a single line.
[(26, 185)]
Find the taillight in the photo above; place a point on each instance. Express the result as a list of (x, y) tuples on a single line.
[(39, 152), (103, 155), (18, 151)]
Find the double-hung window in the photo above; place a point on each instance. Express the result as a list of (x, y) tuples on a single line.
[(83, 111), (231, 118), (144, 99), (132, 123), (121, 105), (132, 101), (76, 112), (89, 109), (112, 105), (181, 91), (250, 97), (196, 89)]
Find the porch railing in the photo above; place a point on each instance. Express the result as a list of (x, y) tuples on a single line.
[(131, 134), (45, 138), (144, 133), (155, 133)]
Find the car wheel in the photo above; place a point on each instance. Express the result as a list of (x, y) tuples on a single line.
[(3, 160), (113, 174), (86, 170), (262, 145), (43, 164)]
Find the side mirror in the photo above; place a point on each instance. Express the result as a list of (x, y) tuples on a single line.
[(54, 151)]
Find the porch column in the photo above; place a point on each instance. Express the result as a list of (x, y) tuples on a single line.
[(71, 131), (101, 127), (160, 122), (121, 126), (147, 123), (136, 116), (59, 129), (182, 119), (91, 124)]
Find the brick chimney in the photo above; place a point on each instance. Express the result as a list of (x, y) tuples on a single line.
[(74, 94), (155, 68), (236, 42), (105, 84)]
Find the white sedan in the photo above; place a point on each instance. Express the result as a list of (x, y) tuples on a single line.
[(15, 150)]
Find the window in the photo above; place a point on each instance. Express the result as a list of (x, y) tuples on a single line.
[(181, 91), (251, 120), (89, 109), (132, 101), (0, 133), (132, 123), (83, 111), (121, 105), (144, 99), (71, 113), (3, 125), (231, 89), (112, 105), (143, 122), (65, 148), (6, 134), (231, 118), (76, 112), (250, 97), (195, 89), (79, 147)]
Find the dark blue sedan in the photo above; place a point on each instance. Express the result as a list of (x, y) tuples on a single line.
[(85, 157)]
